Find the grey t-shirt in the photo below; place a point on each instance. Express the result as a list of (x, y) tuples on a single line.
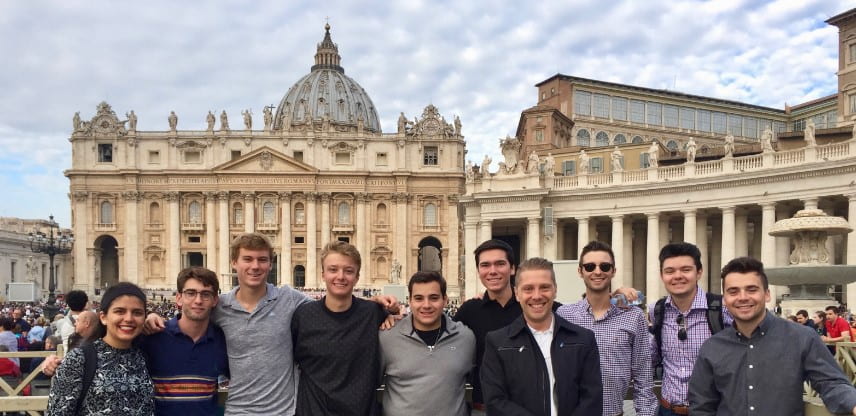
[(260, 352)]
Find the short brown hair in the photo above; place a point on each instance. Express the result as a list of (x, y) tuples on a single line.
[(536, 263), (345, 249), (203, 275), (249, 241)]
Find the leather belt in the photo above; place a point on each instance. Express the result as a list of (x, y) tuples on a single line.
[(681, 410)]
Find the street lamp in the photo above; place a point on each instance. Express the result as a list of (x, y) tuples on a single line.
[(51, 244)]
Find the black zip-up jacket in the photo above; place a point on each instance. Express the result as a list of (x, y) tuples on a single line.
[(514, 374)]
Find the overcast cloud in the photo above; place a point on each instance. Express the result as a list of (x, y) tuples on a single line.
[(479, 60)]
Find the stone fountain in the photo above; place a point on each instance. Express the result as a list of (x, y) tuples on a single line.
[(809, 274)]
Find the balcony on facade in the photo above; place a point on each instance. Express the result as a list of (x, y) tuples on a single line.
[(105, 226), (154, 226), (267, 227), (193, 227)]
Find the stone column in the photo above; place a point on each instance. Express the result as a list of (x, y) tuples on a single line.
[(768, 244), (783, 244), (286, 239), (702, 244), (224, 267), (249, 212), (728, 246), (471, 276), (133, 231), (741, 234), (664, 232), (82, 268), (453, 227), (582, 234), (652, 278), (173, 236), (627, 244), (361, 228), (401, 233), (618, 250), (312, 277), (851, 246), (325, 218), (486, 231), (690, 226), (810, 203), (210, 230), (550, 245), (533, 240)]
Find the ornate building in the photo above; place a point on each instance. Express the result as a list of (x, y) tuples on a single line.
[(639, 167), (18, 263), (148, 203)]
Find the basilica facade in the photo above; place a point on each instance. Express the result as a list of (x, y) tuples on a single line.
[(639, 167), (316, 168)]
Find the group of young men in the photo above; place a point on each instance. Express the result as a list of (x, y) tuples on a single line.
[(523, 353)]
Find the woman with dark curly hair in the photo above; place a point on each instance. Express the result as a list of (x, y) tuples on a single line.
[(121, 383)]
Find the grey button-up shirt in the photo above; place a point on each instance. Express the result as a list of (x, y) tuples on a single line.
[(763, 374)]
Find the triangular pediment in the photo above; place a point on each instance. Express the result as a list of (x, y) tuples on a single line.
[(267, 160)]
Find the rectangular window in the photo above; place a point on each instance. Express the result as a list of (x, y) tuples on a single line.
[(582, 103), (819, 121), (105, 153), (799, 125), (832, 118), (655, 114), (154, 156), (718, 122), (344, 239), (429, 156), (778, 126), (299, 239), (596, 165), (852, 48), (643, 160), (619, 109), (194, 239), (343, 158), (12, 270), (750, 127), (670, 116), (601, 106), (539, 135), (735, 125), (637, 111), (192, 157), (569, 168), (298, 155), (236, 154), (687, 118), (703, 118), (380, 159)]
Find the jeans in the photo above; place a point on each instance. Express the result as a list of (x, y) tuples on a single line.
[(662, 411)]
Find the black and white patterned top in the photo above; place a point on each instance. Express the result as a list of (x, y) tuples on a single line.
[(121, 385)]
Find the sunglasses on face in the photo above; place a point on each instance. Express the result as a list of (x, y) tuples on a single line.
[(604, 267), (682, 331)]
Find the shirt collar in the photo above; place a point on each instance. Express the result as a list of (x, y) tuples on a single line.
[(548, 331), (763, 327), (173, 328), (230, 299), (699, 302), (609, 311), (486, 300)]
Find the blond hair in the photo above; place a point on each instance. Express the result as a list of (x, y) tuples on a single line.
[(345, 249)]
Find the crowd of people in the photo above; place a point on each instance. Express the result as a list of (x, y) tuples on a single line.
[(523, 353)]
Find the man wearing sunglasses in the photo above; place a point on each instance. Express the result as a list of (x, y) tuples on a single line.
[(621, 334), (683, 325)]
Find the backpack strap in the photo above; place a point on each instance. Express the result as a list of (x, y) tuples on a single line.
[(714, 313), (90, 364), (657, 327)]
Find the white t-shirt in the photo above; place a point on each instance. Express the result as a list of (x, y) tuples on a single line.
[(544, 339)]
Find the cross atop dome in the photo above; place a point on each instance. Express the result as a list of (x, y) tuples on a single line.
[(327, 56)]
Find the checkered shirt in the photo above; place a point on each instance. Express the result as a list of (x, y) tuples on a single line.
[(679, 356), (622, 338)]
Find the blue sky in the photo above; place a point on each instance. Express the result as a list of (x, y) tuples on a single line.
[(478, 60)]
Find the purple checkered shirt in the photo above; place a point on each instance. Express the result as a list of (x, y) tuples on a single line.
[(679, 356), (622, 338)]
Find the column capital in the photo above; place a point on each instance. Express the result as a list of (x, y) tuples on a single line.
[(362, 197), (249, 196), (533, 220), (851, 197), (727, 209), (132, 196), (171, 196), (484, 221), (223, 195), (324, 196), (689, 211), (768, 205), (284, 196), (652, 215), (582, 219), (210, 196), (617, 217), (310, 196), (80, 196), (453, 198)]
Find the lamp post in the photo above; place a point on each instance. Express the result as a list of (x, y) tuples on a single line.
[(53, 243)]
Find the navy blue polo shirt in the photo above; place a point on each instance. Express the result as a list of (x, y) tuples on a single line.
[(185, 373)]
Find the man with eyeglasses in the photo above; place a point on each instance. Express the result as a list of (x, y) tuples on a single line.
[(684, 324), (186, 359), (621, 334)]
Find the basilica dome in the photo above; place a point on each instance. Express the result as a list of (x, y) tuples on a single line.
[(327, 94)]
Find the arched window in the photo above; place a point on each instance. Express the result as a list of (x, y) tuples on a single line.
[(268, 215), (299, 214), (619, 139), (672, 145), (637, 140), (602, 139), (430, 214), (583, 138), (380, 214), (237, 213), (155, 213), (299, 276), (194, 211), (106, 212), (344, 213)]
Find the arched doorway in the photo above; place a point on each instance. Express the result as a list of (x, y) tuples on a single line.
[(299, 276), (106, 265), (429, 255)]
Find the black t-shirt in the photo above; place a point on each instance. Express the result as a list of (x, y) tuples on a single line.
[(431, 337), (482, 316), (337, 353)]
